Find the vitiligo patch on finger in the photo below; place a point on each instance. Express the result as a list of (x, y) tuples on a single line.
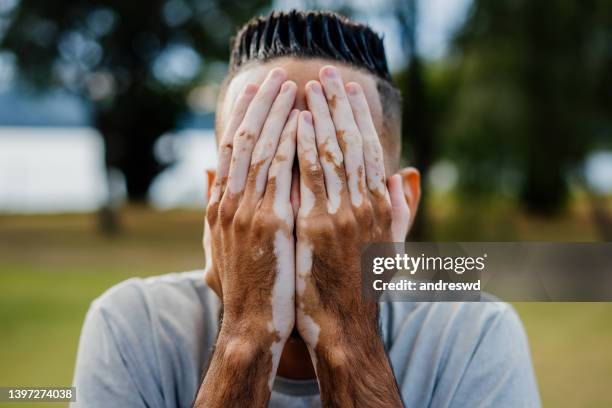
[(237, 180), (281, 206), (331, 164), (309, 153), (260, 171), (334, 191)]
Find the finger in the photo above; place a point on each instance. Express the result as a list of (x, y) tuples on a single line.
[(329, 150), (268, 140), (372, 150), (227, 139), (400, 212), (248, 132), (347, 132), (312, 185), (280, 175)]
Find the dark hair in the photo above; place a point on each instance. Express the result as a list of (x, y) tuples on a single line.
[(314, 34)]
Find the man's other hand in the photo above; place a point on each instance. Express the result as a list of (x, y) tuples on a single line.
[(345, 203)]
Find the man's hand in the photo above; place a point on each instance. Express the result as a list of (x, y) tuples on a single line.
[(250, 225), (345, 203)]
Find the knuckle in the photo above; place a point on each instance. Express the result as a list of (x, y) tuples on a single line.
[(346, 222), (384, 213), (263, 221), (315, 171), (212, 213), (242, 220), (245, 134), (226, 213), (355, 140), (373, 145), (364, 213), (321, 228)]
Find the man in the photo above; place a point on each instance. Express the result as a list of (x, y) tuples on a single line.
[(309, 134)]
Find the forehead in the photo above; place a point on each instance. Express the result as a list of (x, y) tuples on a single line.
[(300, 70)]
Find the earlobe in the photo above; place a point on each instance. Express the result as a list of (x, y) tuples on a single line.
[(411, 180)]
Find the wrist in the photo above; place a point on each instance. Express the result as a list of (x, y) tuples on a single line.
[(251, 332), (238, 348), (341, 339)]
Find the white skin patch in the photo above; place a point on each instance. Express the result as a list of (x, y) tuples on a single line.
[(277, 349), (307, 198), (375, 181), (353, 182), (309, 330), (242, 161), (261, 179), (304, 265), (282, 295), (333, 185), (260, 252), (280, 208), (207, 247)]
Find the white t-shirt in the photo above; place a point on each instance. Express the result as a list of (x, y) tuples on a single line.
[(145, 343)]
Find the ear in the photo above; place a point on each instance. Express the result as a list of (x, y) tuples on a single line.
[(210, 175), (411, 181)]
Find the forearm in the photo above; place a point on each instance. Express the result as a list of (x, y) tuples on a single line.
[(238, 374), (353, 370)]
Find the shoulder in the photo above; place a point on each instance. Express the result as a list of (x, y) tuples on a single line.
[(462, 351), (448, 319), (170, 291), (177, 305), (147, 335)]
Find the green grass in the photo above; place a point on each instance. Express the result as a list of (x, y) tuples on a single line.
[(52, 267)]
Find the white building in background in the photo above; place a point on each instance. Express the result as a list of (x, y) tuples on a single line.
[(51, 170), (61, 169), (51, 161)]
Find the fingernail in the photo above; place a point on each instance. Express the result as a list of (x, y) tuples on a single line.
[(330, 72), (277, 73), (352, 88), (286, 86), (316, 87), (307, 117)]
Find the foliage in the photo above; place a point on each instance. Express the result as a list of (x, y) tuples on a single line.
[(533, 96), (134, 61)]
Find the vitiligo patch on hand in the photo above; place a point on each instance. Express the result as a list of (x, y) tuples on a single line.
[(282, 295), (303, 264)]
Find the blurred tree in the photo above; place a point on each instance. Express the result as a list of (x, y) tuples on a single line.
[(135, 62), (417, 129), (534, 95)]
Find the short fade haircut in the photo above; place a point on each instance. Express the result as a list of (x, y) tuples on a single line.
[(323, 35)]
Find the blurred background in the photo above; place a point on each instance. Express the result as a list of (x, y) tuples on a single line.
[(106, 128)]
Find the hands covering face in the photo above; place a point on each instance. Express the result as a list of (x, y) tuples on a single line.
[(253, 263)]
